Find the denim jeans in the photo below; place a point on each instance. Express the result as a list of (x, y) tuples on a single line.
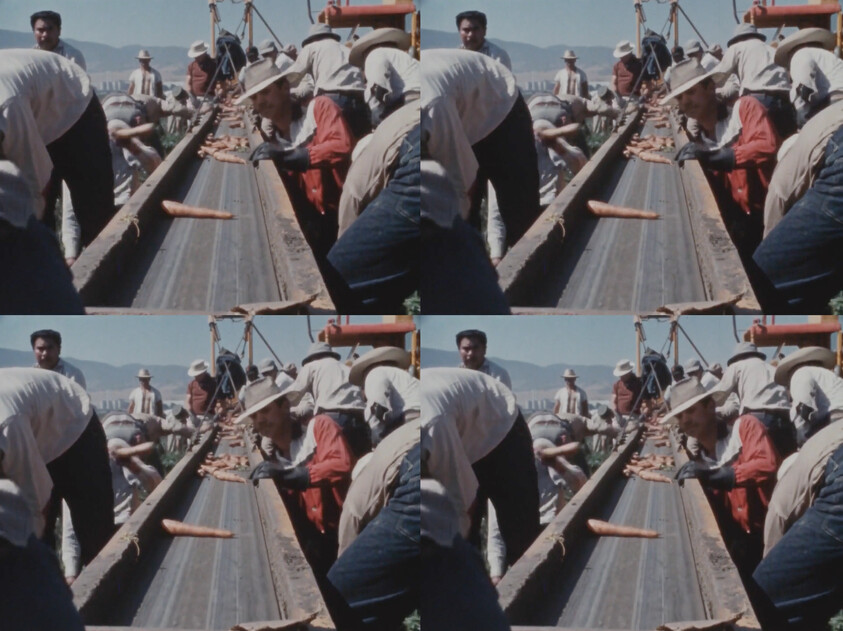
[(377, 260), (802, 574), (801, 257), (377, 577)]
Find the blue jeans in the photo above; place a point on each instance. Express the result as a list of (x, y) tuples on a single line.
[(377, 577), (800, 259), (376, 261), (801, 576)]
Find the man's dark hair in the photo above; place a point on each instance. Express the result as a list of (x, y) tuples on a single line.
[(47, 16), (47, 334), (678, 372), (474, 16), (472, 334)]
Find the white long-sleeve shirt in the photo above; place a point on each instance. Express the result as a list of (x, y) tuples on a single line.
[(393, 70), (753, 63), (326, 60), (752, 380), (818, 388), (392, 388), (327, 380)]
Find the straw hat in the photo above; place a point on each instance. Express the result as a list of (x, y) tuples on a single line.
[(693, 46), (143, 373), (692, 365), (373, 358), (267, 365), (262, 73), (267, 46), (744, 350), (623, 49), (261, 393), (197, 48), (684, 76), (569, 374), (809, 354), (687, 392), (378, 37), (570, 54), (143, 54), (197, 368), (745, 31), (17, 200), (623, 367), (318, 350), (319, 31), (818, 36)]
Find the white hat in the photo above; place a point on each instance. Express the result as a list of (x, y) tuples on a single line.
[(260, 393), (684, 76), (745, 350), (143, 54), (819, 36), (806, 355), (197, 48), (686, 392), (377, 356), (378, 37), (623, 367), (318, 350), (693, 46), (197, 368), (623, 49), (569, 54), (319, 31), (262, 73), (143, 373), (693, 365), (267, 365), (267, 46), (569, 374), (17, 201), (745, 31)]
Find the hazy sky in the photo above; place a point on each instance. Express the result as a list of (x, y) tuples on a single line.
[(586, 340), (120, 340)]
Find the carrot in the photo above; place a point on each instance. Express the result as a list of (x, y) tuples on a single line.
[(132, 132), (602, 209), (649, 156), (605, 529), (224, 156), (175, 209), (180, 529), (227, 477), (142, 449), (652, 476)]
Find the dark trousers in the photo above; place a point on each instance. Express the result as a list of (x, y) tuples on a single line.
[(354, 110), (801, 257), (33, 594), (377, 259), (781, 112), (780, 429), (82, 158), (458, 277), (355, 430), (82, 477), (508, 160), (507, 477), (35, 277), (377, 576), (802, 574)]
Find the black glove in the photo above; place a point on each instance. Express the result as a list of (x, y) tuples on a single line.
[(721, 478), (689, 151), (269, 151), (297, 159), (691, 469), (719, 159), (287, 476)]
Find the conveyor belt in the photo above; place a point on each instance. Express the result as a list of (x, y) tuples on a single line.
[(194, 583)]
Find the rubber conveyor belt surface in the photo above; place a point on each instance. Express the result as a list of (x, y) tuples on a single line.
[(611, 264), (206, 264), (629, 583), (199, 583)]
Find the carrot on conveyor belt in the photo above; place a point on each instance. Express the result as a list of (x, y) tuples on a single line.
[(605, 529), (137, 450), (175, 209), (224, 156), (652, 476), (602, 209), (225, 476), (180, 529), (649, 156)]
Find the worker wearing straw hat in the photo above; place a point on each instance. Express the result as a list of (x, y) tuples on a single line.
[(571, 399), (200, 71), (628, 390), (145, 399), (571, 80), (201, 391), (626, 71), (146, 79)]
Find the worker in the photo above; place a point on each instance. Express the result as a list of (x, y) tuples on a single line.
[(737, 468), (694, 50), (473, 420), (200, 72), (736, 148), (571, 80), (707, 378), (51, 116), (201, 392), (471, 26), (146, 79), (753, 380), (571, 399), (677, 373), (29, 573), (628, 390), (314, 165), (46, 27), (36, 278), (54, 448), (752, 62), (473, 117), (816, 392), (449, 244), (555, 156), (377, 571), (392, 394), (800, 575), (145, 399), (319, 486), (471, 344), (626, 73), (566, 111), (46, 346)]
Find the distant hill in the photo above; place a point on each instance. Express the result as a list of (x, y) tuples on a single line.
[(532, 63)]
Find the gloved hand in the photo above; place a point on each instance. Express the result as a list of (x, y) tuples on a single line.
[(719, 159), (297, 159), (287, 476), (720, 478), (689, 470), (689, 151)]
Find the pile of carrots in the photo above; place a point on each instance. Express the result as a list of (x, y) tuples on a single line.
[(221, 148), (645, 467), (220, 467)]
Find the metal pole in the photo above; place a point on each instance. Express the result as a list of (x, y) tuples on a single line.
[(675, 335), (249, 20), (249, 339), (675, 16), (212, 6)]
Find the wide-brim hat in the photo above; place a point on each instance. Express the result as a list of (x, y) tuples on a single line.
[(692, 365), (570, 54), (623, 49), (197, 368), (318, 350), (143, 54), (197, 48), (376, 356), (378, 37), (267, 46), (745, 31), (623, 367), (263, 73), (143, 373), (319, 31), (569, 374), (267, 365), (809, 354), (685, 393), (820, 36), (260, 393), (743, 351), (692, 46), (684, 76)]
